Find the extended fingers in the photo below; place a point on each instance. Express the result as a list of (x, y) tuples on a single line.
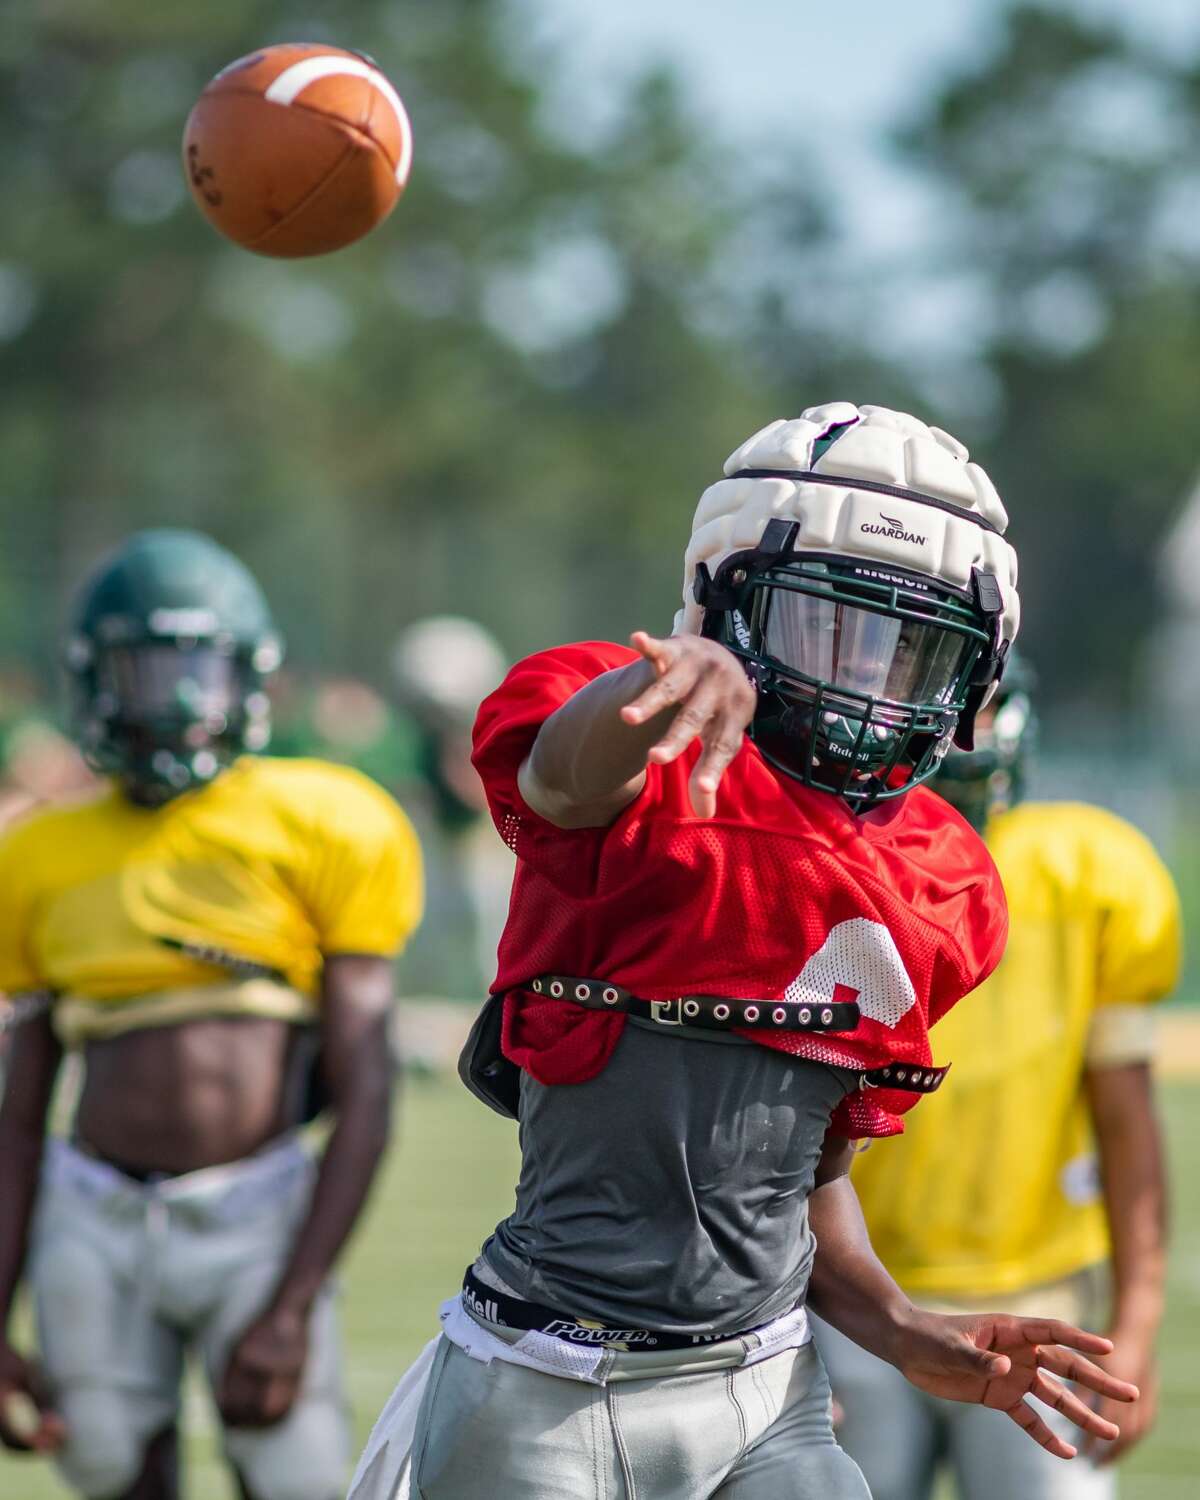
[(1032, 1425), (711, 698), (1083, 1372), (1075, 1410), (679, 677), (1054, 1331), (699, 707), (722, 741), (654, 648)]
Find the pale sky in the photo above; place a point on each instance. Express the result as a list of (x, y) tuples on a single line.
[(836, 77), (765, 64)]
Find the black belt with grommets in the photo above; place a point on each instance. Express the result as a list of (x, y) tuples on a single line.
[(724, 1013)]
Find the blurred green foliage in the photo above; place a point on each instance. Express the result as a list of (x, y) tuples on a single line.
[(506, 400), (1068, 169), (1066, 163), (502, 401)]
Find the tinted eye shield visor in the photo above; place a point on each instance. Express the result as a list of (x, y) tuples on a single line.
[(862, 670), (161, 684)]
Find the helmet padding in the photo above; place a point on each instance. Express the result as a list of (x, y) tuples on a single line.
[(948, 521)]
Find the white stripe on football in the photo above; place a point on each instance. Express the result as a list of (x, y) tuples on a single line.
[(292, 82)]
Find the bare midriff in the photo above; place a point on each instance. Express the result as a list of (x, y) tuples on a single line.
[(196, 1094)]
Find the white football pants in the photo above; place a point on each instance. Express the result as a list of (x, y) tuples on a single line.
[(128, 1277)]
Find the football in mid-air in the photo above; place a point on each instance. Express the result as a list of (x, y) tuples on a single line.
[(297, 149)]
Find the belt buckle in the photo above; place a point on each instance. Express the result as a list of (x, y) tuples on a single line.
[(667, 1012)]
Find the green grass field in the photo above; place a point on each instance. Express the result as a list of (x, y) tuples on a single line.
[(450, 1178)]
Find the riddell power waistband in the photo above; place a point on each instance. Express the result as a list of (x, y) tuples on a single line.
[(513, 1312)]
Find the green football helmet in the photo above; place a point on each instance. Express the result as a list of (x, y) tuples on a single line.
[(991, 778), (170, 645)]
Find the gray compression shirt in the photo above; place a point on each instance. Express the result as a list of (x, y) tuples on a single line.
[(670, 1191)]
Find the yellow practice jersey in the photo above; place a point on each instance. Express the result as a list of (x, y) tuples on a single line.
[(994, 1187), (252, 879)]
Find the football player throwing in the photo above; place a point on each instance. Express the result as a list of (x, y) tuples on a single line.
[(736, 913)]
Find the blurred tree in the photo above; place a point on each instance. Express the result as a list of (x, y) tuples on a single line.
[(1067, 163), (505, 400)]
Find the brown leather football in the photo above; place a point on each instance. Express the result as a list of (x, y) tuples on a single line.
[(297, 150)]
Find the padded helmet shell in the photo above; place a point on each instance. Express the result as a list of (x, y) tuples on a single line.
[(868, 512), (876, 446)]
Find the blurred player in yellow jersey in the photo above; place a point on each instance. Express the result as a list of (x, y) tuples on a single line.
[(1035, 1176), (214, 932)]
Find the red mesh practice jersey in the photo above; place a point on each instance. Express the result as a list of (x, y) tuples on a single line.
[(784, 894)]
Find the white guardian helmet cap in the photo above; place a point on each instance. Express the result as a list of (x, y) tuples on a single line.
[(854, 558)]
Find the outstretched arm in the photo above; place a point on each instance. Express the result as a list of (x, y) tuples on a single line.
[(990, 1359), (589, 759)]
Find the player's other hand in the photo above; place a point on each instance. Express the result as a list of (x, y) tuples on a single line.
[(998, 1361), (262, 1379), (1133, 1361), (28, 1421), (713, 702)]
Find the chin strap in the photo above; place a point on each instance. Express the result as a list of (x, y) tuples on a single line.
[(990, 668), (778, 536)]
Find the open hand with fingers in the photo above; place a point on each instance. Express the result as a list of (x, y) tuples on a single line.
[(998, 1361), (711, 698)]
